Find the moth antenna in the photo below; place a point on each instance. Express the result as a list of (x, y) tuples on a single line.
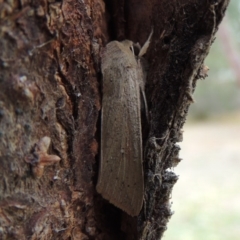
[(146, 45)]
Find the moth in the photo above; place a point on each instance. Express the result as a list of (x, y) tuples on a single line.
[(120, 179)]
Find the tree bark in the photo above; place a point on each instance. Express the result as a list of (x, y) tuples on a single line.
[(50, 85)]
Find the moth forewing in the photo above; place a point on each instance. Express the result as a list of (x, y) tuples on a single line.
[(121, 173)]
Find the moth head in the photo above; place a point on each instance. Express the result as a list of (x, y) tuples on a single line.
[(129, 45)]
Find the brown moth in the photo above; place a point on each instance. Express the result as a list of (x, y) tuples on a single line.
[(120, 178)]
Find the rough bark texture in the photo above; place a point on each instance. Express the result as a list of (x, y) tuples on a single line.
[(50, 86)]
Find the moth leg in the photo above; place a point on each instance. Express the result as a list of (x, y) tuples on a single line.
[(145, 104)]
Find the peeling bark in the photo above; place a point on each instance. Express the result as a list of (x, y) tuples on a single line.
[(50, 85)]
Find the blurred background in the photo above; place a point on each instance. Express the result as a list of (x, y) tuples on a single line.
[(206, 198)]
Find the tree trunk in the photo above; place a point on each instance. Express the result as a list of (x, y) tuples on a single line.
[(50, 84)]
